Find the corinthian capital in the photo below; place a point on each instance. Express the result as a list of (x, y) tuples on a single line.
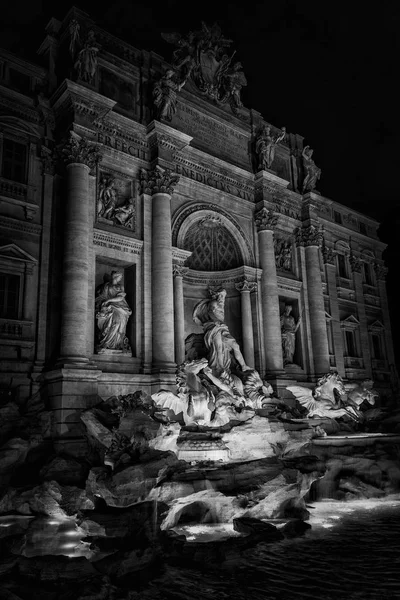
[(328, 254), (246, 286), (77, 149), (179, 270), (158, 180), (381, 271), (309, 236), (265, 220)]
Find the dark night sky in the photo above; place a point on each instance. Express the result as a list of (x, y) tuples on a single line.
[(325, 70)]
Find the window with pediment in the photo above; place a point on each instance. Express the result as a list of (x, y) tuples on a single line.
[(212, 245)]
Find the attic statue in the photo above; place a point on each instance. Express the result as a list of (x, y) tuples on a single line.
[(312, 172), (112, 314), (164, 95), (265, 146)]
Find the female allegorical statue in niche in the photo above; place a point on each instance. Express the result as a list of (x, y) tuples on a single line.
[(112, 314), (288, 330)]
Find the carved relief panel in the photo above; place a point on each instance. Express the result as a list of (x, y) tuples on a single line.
[(116, 200)]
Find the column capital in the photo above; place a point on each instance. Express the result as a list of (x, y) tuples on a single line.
[(179, 270), (381, 271), (265, 220), (246, 286), (48, 160), (158, 181), (76, 149), (355, 263), (328, 254), (309, 236)]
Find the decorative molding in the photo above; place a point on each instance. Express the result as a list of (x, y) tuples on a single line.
[(16, 225), (355, 263), (158, 180), (118, 242)]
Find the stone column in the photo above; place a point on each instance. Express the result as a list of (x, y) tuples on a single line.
[(265, 222), (80, 157), (245, 287), (179, 313), (311, 238), (356, 266), (159, 183), (330, 271)]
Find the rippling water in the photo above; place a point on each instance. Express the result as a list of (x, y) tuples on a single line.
[(351, 553)]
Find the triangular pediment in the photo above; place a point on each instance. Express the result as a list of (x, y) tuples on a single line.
[(14, 252), (350, 322), (376, 326)]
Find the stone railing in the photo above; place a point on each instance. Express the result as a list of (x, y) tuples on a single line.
[(13, 189), (13, 328), (353, 362)]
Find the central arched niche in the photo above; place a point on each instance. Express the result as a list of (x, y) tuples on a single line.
[(220, 252), (212, 245)]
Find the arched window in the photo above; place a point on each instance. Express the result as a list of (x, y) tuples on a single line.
[(212, 245)]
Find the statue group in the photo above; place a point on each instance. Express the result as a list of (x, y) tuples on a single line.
[(266, 144), (202, 58), (220, 388)]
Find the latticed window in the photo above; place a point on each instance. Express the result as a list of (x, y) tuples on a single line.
[(213, 247)]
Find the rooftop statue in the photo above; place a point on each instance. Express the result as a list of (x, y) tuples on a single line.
[(164, 94), (312, 172), (86, 62), (112, 314), (266, 144)]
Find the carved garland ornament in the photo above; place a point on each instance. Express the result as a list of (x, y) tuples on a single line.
[(158, 180)]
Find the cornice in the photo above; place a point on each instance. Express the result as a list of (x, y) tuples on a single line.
[(16, 225)]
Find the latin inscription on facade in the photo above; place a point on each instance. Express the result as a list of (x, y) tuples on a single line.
[(122, 145), (212, 135)]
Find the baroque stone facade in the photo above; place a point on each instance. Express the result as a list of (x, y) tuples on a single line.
[(116, 161)]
